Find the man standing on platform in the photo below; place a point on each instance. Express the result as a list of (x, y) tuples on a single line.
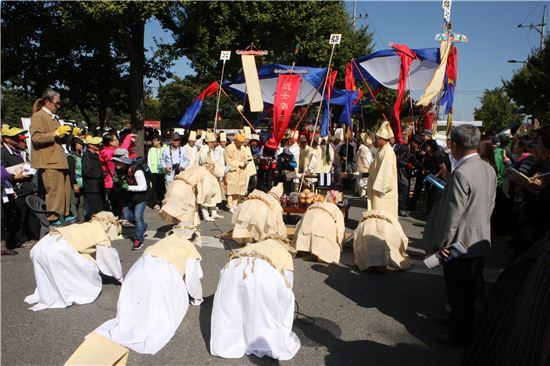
[(236, 160), (382, 183), (47, 136), (463, 214)]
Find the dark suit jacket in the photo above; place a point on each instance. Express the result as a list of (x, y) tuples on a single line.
[(464, 210)]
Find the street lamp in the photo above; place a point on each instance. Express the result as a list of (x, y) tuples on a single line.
[(516, 62)]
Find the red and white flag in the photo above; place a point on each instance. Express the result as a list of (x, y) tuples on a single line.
[(288, 86)]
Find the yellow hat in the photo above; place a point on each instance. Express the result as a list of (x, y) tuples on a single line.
[(385, 131), (12, 131), (240, 137), (223, 136), (90, 140), (365, 137), (192, 136), (210, 137), (247, 132)]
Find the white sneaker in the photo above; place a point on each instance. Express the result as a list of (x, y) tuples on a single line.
[(215, 215), (209, 219)]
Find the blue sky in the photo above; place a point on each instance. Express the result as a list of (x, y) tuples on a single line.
[(491, 27)]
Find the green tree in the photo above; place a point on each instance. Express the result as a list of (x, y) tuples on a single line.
[(276, 26), (530, 86), (496, 111)]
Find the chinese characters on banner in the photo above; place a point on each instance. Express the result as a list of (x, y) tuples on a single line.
[(288, 86)]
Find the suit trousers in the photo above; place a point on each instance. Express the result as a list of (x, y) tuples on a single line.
[(58, 191), (462, 280)]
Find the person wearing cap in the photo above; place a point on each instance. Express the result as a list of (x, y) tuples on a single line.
[(16, 212), (74, 159), (154, 296), (67, 262), (304, 153), (260, 215), (251, 171), (236, 177), (136, 190), (154, 157), (253, 307), (174, 159), (211, 157), (47, 154), (363, 160), (287, 166), (110, 144), (294, 148), (321, 232), (191, 149), (92, 177), (382, 182)]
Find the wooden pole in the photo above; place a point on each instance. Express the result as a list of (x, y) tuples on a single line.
[(218, 101)]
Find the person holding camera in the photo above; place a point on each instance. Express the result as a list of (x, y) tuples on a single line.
[(154, 157), (174, 159)]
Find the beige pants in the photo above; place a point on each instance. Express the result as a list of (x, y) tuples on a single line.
[(58, 191), (233, 200)]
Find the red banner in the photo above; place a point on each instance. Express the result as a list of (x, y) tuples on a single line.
[(288, 86)]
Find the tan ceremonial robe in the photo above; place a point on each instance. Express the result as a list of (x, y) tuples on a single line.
[(321, 232), (237, 176), (251, 166), (174, 250), (382, 184), (272, 251), (192, 187), (304, 159), (84, 237), (363, 159), (98, 350), (192, 155), (379, 241), (260, 215)]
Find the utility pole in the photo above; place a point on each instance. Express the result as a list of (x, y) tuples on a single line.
[(354, 17), (541, 30)]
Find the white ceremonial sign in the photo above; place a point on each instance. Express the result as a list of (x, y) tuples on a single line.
[(225, 55), (446, 5), (335, 38)]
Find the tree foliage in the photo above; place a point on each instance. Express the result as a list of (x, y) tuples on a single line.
[(497, 111), (530, 86)]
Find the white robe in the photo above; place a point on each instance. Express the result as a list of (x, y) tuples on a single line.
[(152, 303), (63, 276), (253, 315)]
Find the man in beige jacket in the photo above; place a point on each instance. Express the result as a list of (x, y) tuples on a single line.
[(236, 179), (47, 155)]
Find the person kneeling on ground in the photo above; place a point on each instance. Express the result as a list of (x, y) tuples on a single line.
[(64, 269), (260, 215), (254, 303), (154, 297), (321, 232)]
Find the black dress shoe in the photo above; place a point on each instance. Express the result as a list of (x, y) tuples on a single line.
[(448, 340)]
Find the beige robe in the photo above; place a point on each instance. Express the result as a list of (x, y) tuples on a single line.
[(174, 250), (304, 159), (236, 178), (192, 187), (257, 217), (271, 250), (318, 159), (251, 166), (363, 159), (321, 232), (382, 183), (379, 241), (192, 155)]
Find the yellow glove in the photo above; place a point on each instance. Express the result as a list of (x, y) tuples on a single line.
[(62, 130), (76, 131)]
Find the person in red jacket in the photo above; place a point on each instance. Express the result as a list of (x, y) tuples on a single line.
[(110, 144)]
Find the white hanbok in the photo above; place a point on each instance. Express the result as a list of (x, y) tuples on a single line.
[(152, 303), (64, 276), (253, 311)]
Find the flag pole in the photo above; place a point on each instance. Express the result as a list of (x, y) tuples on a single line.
[(224, 56), (333, 40)]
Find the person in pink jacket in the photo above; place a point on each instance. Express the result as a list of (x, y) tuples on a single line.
[(110, 144)]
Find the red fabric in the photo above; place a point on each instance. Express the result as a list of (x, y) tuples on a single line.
[(330, 83), (429, 120), (451, 66), (288, 86), (350, 79), (105, 156), (407, 56), (210, 89)]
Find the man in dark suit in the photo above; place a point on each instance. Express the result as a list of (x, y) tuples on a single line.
[(463, 214)]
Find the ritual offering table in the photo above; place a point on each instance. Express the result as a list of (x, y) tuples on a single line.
[(299, 210)]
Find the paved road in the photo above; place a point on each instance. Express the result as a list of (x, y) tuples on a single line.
[(358, 318)]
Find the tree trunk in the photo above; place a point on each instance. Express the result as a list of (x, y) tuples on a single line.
[(85, 115), (136, 53), (102, 114)]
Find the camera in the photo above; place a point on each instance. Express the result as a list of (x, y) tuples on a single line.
[(176, 168)]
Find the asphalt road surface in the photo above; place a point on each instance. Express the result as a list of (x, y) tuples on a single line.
[(346, 317)]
